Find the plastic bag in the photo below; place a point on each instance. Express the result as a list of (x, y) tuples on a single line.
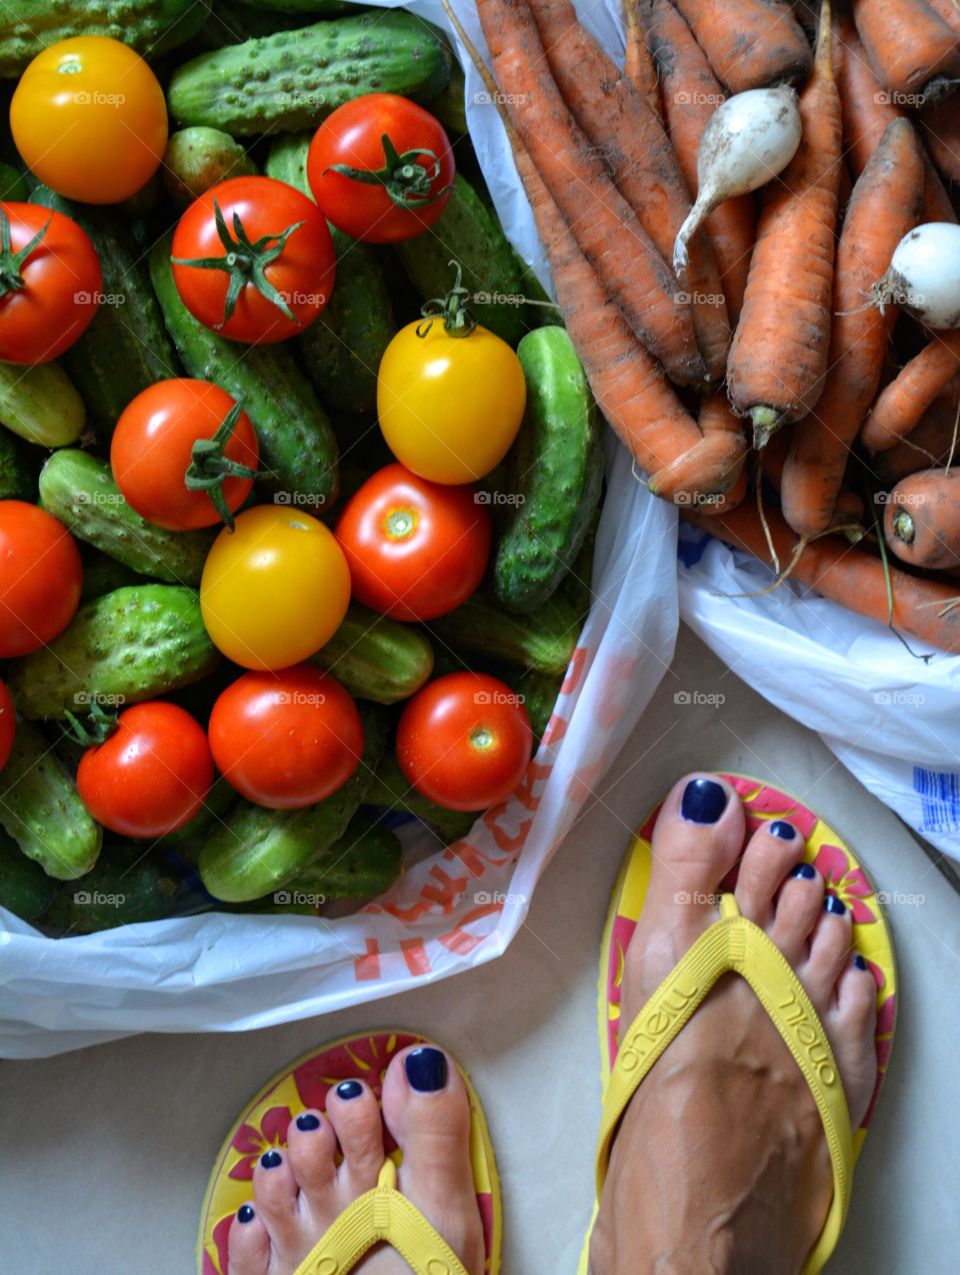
[(454, 909)]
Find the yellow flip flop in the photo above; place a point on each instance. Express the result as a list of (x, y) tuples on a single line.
[(382, 1215), (733, 943)]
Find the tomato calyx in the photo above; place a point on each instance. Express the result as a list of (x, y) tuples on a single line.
[(11, 280), (209, 466), (407, 182), (245, 262), (401, 522), (457, 318), (99, 727)]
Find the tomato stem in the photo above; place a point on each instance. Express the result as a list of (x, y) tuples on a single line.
[(209, 466), (11, 280), (245, 262), (457, 318), (100, 726), (405, 180)]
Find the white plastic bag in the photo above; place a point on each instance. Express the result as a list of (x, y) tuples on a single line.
[(453, 910)]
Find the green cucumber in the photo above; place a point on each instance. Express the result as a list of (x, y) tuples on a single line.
[(545, 642), (124, 888), (468, 232), (17, 479), (377, 658), (556, 473), (257, 851), (78, 489), (539, 691), (450, 106), (42, 811), (391, 788), (13, 184), (293, 79), (198, 158), (318, 8), (102, 575), (25, 889), (189, 840), (130, 645), (229, 23), (41, 404), (577, 585), (149, 26), (298, 448)]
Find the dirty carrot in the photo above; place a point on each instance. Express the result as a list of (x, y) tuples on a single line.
[(949, 11), (637, 151), (632, 271), (913, 52), (778, 359), (723, 451), (638, 64), (901, 404), (928, 446), (750, 43), (885, 204), (921, 521), (941, 131)]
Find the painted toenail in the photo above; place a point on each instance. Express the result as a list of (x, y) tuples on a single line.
[(426, 1069), (245, 1213), (349, 1089), (780, 828), (704, 801), (805, 870), (859, 962), (271, 1159), (835, 906), (307, 1122)]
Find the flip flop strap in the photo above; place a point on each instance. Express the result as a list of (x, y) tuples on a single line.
[(735, 944), (382, 1215)]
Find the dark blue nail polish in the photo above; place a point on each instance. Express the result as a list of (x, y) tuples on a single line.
[(307, 1122), (833, 905), (704, 801), (270, 1159), (426, 1069), (245, 1213), (349, 1089), (859, 962), (780, 828), (805, 870)]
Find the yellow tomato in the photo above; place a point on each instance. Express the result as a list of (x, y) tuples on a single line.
[(450, 406), (274, 590), (89, 119)]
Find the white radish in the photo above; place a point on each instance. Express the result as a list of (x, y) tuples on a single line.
[(749, 139), (924, 275)]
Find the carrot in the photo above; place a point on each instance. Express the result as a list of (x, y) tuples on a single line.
[(638, 66), (927, 446), (635, 147), (921, 522), (941, 130), (949, 11), (885, 205), (900, 404), (749, 43), (848, 575), (724, 449), (631, 270), (913, 52), (778, 359), (691, 94)]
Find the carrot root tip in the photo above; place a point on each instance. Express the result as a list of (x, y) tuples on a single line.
[(904, 527), (766, 421)]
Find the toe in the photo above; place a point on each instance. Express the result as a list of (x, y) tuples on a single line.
[(275, 1195), (311, 1151), (696, 841), (798, 908), (248, 1245), (355, 1115), (772, 851), (831, 946), (851, 1024)]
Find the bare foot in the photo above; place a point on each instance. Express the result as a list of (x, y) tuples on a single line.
[(720, 1163), (298, 1193)]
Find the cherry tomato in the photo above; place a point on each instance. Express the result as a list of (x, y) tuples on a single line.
[(152, 451), (284, 283), (415, 176), (450, 406), (40, 578), (464, 741), (151, 775), (8, 725), (274, 590), (89, 119), (49, 294), (416, 549), (286, 739)]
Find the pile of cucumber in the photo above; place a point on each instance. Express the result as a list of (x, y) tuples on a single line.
[(245, 86)]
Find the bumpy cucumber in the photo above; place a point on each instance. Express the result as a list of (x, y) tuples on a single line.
[(78, 489), (390, 788), (123, 889), (42, 811), (128, 646), (257, 851), (539, 691), (293, 79), (556, 473), (198, 158), (149, 26), (545, 642), (41, 404), (298, 449), (376, 658), (17, 479), (468, 232), (25, 889), (577, 585)]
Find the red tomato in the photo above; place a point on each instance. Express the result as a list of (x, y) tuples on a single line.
[(40, 578), (296, 274), (464, 741), (415, 178), (151, 776), (286, 739), (8, 725), (416, 549), (49, 295), (152, 450)]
